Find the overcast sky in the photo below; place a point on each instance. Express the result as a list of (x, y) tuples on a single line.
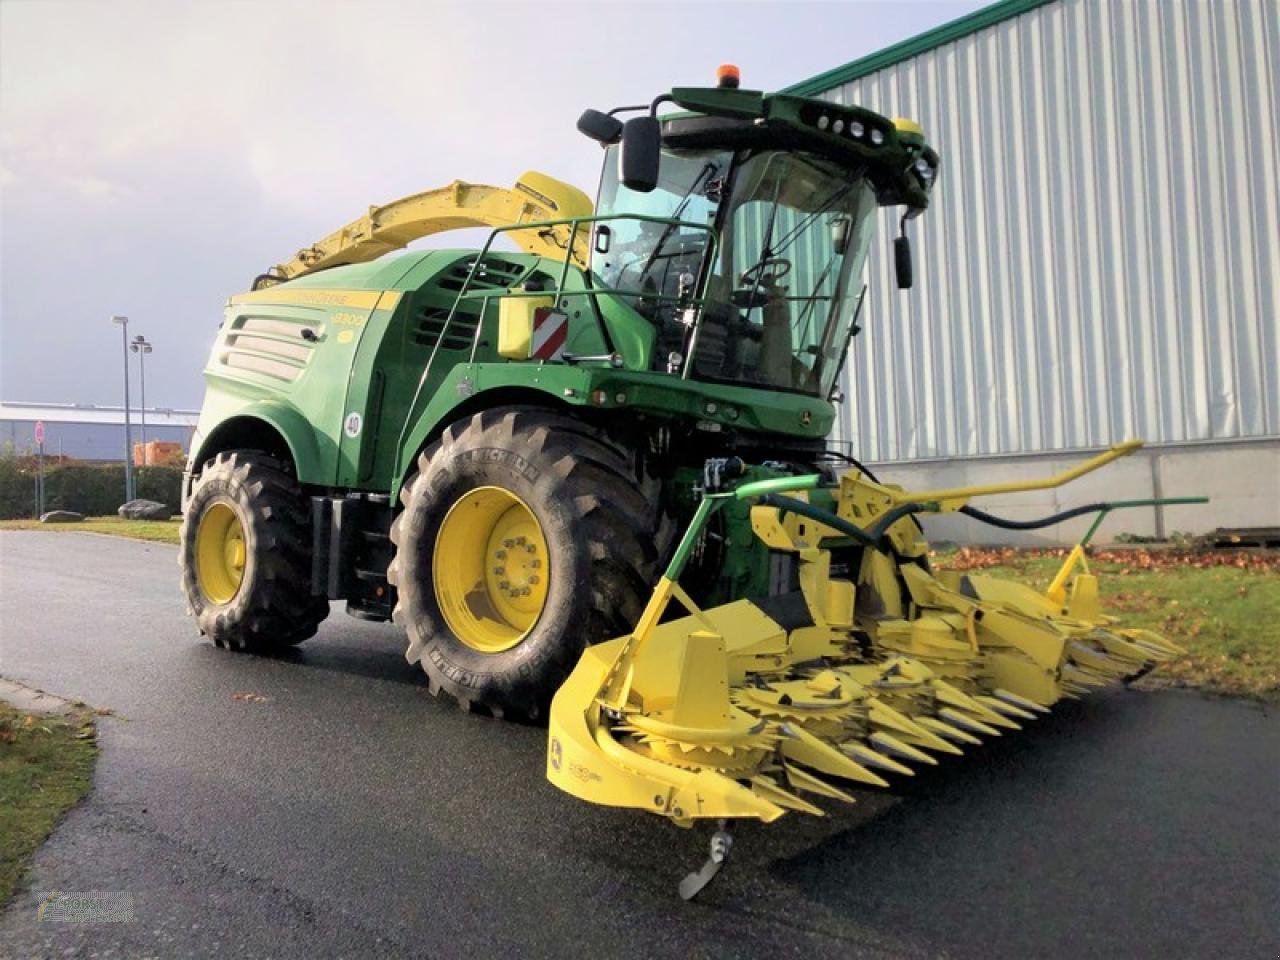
[(154, 157)]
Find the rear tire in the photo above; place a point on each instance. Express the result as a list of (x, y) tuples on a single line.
[(584, 504), (245, 555)]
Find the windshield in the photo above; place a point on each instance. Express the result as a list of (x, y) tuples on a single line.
[(779, 304), (640, 256), (777, 308)]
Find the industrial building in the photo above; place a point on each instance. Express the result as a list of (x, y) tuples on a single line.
[(1101, 261), (88, 432)]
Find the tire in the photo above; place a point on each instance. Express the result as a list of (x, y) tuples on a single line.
[(603, 533), (269, 608)]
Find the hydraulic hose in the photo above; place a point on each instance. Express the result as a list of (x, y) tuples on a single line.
[(875, 536), (1049, 521)]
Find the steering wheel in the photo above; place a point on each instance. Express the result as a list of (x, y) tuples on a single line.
[(782, 266)]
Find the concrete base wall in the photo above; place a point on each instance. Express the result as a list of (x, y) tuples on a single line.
[(1242, 479)]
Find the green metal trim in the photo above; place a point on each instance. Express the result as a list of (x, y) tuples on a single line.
[(714, 501), (914, 46), (1125, 504), (707, 507), (759, 488)]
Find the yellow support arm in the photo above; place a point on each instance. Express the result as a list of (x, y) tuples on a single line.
[(535, 197), (948, 498)]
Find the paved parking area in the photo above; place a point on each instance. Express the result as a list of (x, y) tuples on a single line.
[(343, 812)]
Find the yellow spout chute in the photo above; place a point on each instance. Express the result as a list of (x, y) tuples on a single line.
[(535, 198)]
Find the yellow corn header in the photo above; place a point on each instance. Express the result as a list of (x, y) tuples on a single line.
[(757, 708)]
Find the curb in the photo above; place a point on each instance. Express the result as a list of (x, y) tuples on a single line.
[(31, 700)]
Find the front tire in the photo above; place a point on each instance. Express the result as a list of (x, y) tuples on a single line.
[(498, 500), (245, 555)]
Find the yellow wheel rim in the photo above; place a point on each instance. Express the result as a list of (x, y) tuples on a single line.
[(220, 553), (490, 569)]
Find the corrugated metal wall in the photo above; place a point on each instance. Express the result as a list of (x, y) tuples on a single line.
[(1102, 259)]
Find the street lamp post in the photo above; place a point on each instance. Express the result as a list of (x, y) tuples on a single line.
[(141, 347), (123, 323)]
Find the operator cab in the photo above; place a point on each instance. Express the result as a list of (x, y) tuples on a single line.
[(775, 241), (743, 237)]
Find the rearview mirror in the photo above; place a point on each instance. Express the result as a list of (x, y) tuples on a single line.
[(640, 155), (902, 261), (600, 127)]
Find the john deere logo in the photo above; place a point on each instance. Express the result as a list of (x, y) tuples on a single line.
[(557, 753), (806, 417)]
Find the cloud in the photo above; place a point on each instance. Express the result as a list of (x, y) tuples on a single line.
[(155, 156)]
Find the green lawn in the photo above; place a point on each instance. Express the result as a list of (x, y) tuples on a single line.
[(161, 531), (1222, 607), (46, 767)]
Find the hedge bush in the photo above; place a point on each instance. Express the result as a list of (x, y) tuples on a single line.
[(94, 490)]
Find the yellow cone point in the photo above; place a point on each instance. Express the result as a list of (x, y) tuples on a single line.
[(949, 695), (1008, 709), (872, 758), (1018, 701), (895, 746), (946, 731), (957, 719), (807, 749), (806, 781), (768, 789)]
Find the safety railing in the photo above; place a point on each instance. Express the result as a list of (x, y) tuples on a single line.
[(592, 293)]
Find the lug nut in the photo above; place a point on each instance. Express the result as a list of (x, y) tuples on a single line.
[(520, 541), (508, 543), (531, 548), (535, 564), (501, 554), (533, 579), (504, 584)]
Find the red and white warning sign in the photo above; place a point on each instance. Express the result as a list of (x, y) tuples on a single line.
[(550, 331)]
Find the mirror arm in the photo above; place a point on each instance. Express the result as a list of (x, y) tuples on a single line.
[(658, 101)]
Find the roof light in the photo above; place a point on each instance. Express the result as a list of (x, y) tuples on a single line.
[(856, 129), (877, 136), (823, 122), (728, 75)]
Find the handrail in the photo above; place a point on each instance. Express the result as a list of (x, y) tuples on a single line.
[(543, 225)]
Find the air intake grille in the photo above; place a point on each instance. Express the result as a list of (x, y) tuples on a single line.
[(271, 346), (430, 324), (492, 275)]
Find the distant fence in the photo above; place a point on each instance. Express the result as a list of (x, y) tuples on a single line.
[(94, 490)]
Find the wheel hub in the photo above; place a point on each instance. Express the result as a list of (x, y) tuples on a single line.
[(490, 569), (220, 553)]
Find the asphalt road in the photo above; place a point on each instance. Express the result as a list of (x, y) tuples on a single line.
[(350, 814)]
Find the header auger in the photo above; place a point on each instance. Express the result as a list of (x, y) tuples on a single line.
[(751, 708)]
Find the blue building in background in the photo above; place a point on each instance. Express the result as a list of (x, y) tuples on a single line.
[(88, 432)]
